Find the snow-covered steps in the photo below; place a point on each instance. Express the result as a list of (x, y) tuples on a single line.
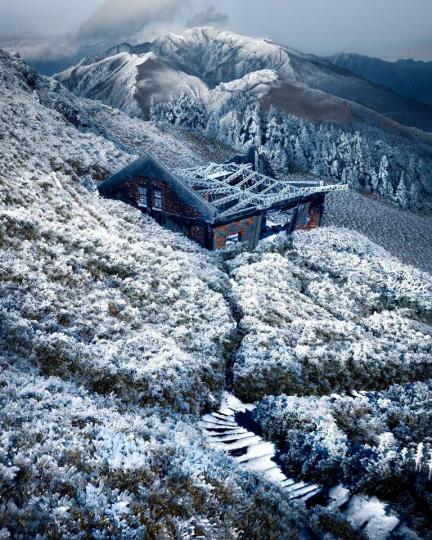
[(366, 514), (248, 449), (369, 515)]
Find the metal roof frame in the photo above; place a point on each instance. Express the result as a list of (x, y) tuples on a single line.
[(231, 187)]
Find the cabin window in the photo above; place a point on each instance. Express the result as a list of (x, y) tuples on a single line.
[(233, 239), (142, 196), (157, 199)]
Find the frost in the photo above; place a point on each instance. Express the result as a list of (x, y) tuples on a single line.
[(331, 313)]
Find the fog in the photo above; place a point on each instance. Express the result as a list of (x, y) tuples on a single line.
[(385, 28)]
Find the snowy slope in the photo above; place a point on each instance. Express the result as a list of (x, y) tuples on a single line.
[(112, 79), (203, 58), (217, 56), (127, 81), (116, 334), (75, 240)]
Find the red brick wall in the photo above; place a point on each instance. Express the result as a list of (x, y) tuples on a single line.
[(198, 233), (245, 227), (309, 217), (172, 204)]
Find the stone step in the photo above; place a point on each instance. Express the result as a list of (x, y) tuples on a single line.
[(366, 514), (259, 464), (230, 436), (210, 424), (215, 420), (222, 416), (369, 514), (339, 496), (258, 450), (241, 443), (306, 490), (295, 486)]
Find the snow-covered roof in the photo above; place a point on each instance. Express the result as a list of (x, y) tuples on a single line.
[(148, 166), (232, 188)]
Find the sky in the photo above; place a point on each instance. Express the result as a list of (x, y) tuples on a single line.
[(385, 28)]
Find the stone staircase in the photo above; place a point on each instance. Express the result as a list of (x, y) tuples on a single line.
[(366, 514)]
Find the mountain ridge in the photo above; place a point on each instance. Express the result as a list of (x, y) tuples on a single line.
[(214, 57), (407, 77)]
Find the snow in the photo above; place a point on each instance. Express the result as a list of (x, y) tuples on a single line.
[(403, 234), (111, 353), (328, 314), (118, 73), (371, 511), (220, 56)]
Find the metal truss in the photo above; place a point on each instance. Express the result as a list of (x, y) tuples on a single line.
[(232, 187)]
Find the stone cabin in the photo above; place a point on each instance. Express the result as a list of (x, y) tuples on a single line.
[(220, 204)]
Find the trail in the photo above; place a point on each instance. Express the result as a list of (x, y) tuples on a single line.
[(228, 430)]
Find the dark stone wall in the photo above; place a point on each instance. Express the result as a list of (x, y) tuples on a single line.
[(171, 203)]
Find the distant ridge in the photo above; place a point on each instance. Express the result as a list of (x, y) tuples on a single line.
[(409, 78)]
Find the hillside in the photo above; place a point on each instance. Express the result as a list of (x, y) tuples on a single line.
[(117, 335), (408, 78), (200, 59), (309, 115), (96, 301)]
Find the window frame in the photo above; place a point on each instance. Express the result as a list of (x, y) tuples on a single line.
[(143, 196), (157, 199), (233, 239)]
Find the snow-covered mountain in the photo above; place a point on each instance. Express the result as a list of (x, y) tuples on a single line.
[(116, 334), (410, 78), (200, 59)]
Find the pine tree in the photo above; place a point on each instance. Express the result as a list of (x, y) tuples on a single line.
[(374, 181), (401, 193), (299, 156), (153, 110), (383, 176), (414, 197)]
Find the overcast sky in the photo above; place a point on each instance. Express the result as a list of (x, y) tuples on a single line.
[(385, 28)]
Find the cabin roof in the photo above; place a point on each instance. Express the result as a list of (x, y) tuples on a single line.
[(223, 192), (233, 188), (148, 166)]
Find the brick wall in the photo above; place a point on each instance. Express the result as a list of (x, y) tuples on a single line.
[(198, 233), (309, 216), (172, 204), (245, 227)]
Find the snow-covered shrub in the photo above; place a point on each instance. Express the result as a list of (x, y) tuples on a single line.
[(90, 288), (331, 313), (379, 443), (76, 465), (94, 289)]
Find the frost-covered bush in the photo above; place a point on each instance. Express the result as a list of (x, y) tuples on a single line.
[(330, 313), (75, 465), (380, 443), (94, 289), (90, 288)]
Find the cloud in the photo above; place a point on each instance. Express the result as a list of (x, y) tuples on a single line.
[(120, 19), (209, 16), (33, 47)]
